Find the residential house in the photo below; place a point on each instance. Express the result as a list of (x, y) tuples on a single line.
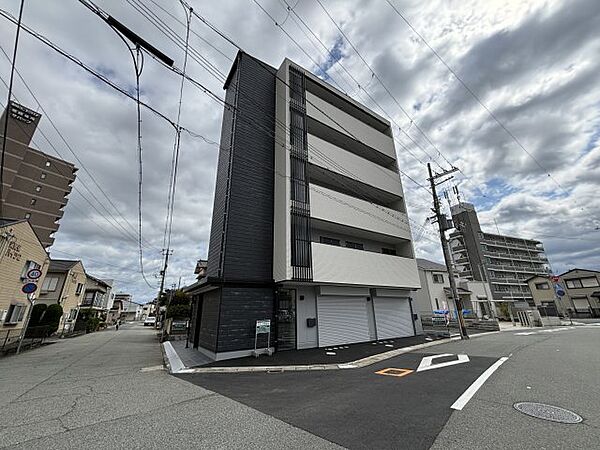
[(20, 251), (95, 300), (582, 287), (435, 294), (64, 285), (309, 226), (149, 309)]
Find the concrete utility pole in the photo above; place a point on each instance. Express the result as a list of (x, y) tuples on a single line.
[(163, 273), (443, 226)]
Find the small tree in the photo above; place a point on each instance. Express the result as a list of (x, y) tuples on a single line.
[(52, 317), (179, 307)]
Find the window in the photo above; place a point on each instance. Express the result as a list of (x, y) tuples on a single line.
[(79, 288), (589, 282), (438, 278), (27, 267), (27, 215), (15, 313), (542, 286), (47, 163), (388, 251), (437, 304), (38, 188), (72, 314), (49, 284), (33, 201), (43, 176), (355, 245), (329, 241), (88, 300), (573, 284)]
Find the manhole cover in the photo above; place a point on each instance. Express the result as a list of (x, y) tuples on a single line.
[(548, 412)]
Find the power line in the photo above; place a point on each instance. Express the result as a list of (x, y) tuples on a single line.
[(10, 86)]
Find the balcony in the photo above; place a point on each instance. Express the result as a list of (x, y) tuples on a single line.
[(508, 268), (342, 265), (335, 159), (343, 122), (335, 207), (501, 255)]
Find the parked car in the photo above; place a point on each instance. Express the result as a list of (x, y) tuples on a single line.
[(150, 321)]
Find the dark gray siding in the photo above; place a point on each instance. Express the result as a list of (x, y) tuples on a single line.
[(241, 307), (210, 320)]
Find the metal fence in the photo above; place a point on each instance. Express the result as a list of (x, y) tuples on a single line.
[(34, 337)]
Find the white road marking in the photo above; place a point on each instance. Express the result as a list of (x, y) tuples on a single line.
[(427, 362), (525, 334), (471, 390)]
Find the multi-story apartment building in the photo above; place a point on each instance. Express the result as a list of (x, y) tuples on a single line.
[(507, 262), (20, 251), (309, 225), (35, 185)]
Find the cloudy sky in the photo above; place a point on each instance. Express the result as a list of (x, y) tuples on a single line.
[(534, 64)]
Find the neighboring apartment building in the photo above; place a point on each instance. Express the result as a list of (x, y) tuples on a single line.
[(583, 292), (129, 309), (309, 225), (20, 251), (97, 294), (64, 285), (36, 185), (435, 293), (149, 309), (507, 262)]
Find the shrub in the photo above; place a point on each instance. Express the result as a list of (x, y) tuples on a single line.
[(52, 317), (37, 314), (178, 311), (92, 324)]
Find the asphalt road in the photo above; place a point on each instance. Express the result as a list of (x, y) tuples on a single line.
[(108, 390), (362, 409)]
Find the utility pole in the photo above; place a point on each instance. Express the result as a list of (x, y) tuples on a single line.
[(163, 273), (443, 225)]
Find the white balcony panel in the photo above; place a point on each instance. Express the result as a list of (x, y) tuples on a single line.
[(342, 265), (336, 159), (336, 207), (343, 122)]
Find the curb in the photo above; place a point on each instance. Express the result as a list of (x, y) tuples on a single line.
[(359, 363)]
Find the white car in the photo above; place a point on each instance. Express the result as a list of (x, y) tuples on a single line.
[(150, 321)]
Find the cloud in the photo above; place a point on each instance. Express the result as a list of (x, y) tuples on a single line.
[(533, 64)]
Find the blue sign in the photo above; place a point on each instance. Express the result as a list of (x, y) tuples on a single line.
[(559, 290), (29, 288)]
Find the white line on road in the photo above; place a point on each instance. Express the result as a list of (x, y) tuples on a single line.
[(471, 390)]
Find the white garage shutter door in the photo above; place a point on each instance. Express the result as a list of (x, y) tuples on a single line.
[(581, 304), (392, 317), (342, 320)]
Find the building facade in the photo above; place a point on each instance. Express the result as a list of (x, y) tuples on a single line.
[(309, 225), (20, 251), (506, 262), (64, 285), (582, 287), (36, 186), (435, 294)]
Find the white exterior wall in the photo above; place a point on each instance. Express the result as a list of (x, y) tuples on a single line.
[(353, 166), (320, 110), (342, 265)]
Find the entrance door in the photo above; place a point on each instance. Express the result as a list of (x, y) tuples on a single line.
[(286, 319)]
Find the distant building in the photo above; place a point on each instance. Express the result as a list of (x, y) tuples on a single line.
[(64, 285), (20, 251), (36, 185), (507, 262), (149, 309), (97, 294), (309, 227), (130, 309), (435, 294)]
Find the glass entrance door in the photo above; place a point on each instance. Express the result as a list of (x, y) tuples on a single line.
[(286, 319)]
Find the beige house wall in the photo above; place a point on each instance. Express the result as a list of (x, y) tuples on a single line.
[(14, 254), (69, 297)]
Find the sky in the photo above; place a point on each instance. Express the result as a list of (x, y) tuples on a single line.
[(534, 172)]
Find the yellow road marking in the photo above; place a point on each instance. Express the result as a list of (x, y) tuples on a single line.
[(395, 372)]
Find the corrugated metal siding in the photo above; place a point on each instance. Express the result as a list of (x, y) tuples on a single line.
[(392, 317), (241, 307), (342, 320), (210, 320)]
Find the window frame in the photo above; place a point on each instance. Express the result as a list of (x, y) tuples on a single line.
[(435, 280), (48, 281), (330, 241), (543, 286), (389, 251), (354, 245)]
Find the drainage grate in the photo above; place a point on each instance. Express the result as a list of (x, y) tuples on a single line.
[(548, 412)]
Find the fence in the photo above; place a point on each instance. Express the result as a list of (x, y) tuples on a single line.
[(9, 339)]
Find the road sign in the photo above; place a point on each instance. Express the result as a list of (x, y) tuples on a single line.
[(559, 290), (34, 274), (428, 364), (263, 326), (29, 288)]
